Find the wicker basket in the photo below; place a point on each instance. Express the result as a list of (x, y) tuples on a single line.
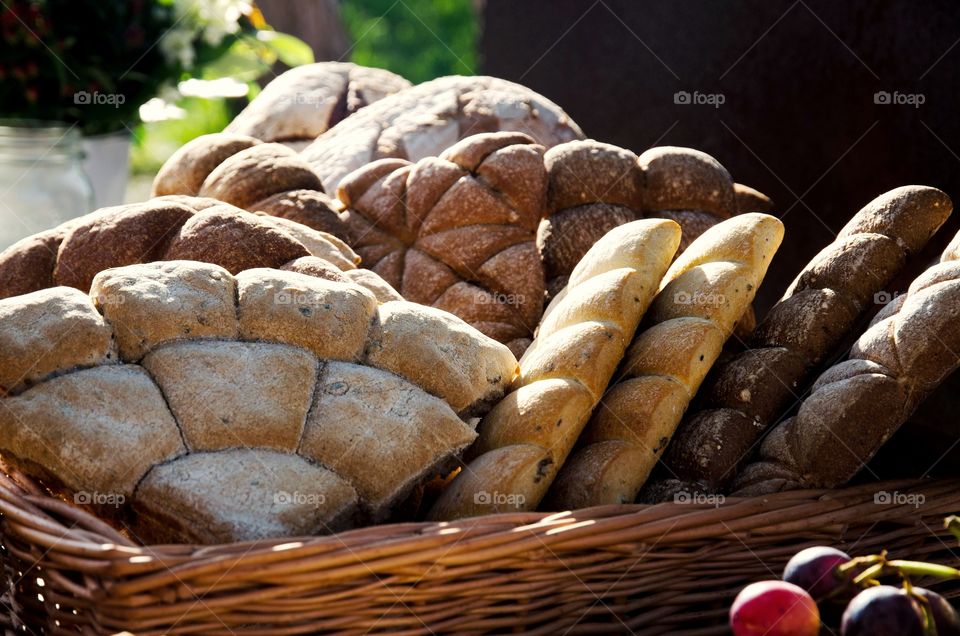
[(670, 568)]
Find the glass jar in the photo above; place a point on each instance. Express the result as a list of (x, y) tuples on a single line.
[(42, 183)]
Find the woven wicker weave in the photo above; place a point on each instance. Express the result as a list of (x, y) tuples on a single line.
[(671, 568)]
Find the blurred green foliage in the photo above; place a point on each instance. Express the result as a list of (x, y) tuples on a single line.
[(418, 39)]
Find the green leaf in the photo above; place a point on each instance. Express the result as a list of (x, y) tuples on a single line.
[(242, 62), (291, 50)]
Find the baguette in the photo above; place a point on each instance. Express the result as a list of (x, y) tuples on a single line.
[(527, 436), (858, 404), (749, 392), (701, 297)]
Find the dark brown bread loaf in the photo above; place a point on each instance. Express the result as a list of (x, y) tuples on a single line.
[(748, 393), (594, 187), (259, 177), (302, 103), (426, 119), (856, 405), (165, 228), (457, 231)]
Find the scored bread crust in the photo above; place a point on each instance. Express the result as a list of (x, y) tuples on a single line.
[(426, 119), (170, 228), (749, 392), (856, 405), (457, 231), (192, 394), (305, 101), (700, 298), (527, 436)]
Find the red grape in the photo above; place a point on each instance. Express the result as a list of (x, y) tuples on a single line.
[(774, 608)]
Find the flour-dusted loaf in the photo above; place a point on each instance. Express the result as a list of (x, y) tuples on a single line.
[(269, 178), (305, 101), (752, 390), (426, 119), (858, 404), (176, 227), (210, 407), (525, 439), (458, 231), (700, 298)]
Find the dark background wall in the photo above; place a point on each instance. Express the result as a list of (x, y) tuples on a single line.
[(798, 78)]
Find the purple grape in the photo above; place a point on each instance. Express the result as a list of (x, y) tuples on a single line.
[(815, 570), (882, 610), (944, 616)]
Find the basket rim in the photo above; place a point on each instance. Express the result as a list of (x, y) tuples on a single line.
[(28, 510)]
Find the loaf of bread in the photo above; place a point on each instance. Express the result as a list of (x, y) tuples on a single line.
[(701, 297), (858, 404), (259, 177), (305, 101), (426, 119), (526, 437), (752, 390), (593, 187), (458, 231), (207, 407), (169, 228)]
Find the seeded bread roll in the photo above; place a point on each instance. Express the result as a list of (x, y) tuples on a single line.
[(238, 408), (858, 404), (426, 119), (175, 227), (526, 438), (259, 177), (302, 103), (457, 231), (749, 392), (700, 298)]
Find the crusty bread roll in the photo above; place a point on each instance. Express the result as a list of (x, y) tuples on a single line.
[(858, 404), (173, 228), (526, 438), (457, 231), (305, 101), (259, 177), (750, 391), (426, 119), (210, 407), (701, 297)]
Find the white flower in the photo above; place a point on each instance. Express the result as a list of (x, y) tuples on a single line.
[(208, 20)]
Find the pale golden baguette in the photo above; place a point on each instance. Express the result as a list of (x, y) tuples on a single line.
[(584, 333), (701, 298)]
